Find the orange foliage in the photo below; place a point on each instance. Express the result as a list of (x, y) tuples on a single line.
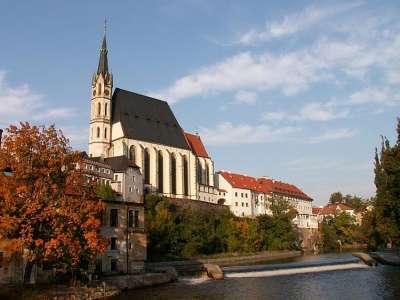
[(45, 206)]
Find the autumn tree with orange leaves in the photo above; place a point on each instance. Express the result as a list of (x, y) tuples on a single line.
[(47, 210)]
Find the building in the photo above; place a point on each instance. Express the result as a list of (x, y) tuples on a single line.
[(331, 210), (123, 220), (145, 130), (250, 197)]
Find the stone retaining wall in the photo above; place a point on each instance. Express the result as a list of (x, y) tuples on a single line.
[(197, 265)]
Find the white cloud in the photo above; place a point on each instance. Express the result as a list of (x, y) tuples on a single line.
[(326, 60), (374, 95), (393, 77), (295, 23), (228, 134), (17, 102), (333, 134), (314, 111), (21, 103), (274, 116), (246, 97), (55, 113), (290, 73), (319, 112)]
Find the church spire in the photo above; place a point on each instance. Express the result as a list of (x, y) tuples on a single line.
[(103, 61)]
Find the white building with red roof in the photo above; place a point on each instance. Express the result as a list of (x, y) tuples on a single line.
[(249, 197), (332, 210)]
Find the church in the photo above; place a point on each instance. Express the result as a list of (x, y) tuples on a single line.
[(173, 163)]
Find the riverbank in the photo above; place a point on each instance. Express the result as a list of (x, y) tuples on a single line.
[(102, 289)]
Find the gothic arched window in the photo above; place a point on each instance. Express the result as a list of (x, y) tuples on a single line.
[(173, 174), (207, 175), (105, 132), (132, 154), (199, 172), (98, 108), (105, 109), (98, 132), (160, 172), (146, 166), (185, 176)]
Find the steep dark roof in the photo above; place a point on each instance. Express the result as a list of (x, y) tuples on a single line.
[(147, 119), (119, 163), (103, 61)]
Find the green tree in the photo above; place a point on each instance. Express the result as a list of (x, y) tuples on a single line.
[(336, 198), (104, 191), (387, 182)]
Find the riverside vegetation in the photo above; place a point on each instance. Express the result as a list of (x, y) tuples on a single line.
[(176, 233)]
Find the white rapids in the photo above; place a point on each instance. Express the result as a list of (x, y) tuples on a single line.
[(292, 271)]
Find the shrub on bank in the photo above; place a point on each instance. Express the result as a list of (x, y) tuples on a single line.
[(176, 233)]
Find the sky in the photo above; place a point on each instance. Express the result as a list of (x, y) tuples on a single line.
[(298, 91)]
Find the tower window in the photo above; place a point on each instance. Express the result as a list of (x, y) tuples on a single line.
[(105, 109), (105, 132), (98, 132), (99, 88), (98, 108)]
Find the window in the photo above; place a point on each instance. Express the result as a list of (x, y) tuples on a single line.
[(115, 177), (242, 204), (105, 109), (133, 178), (113, 245), (98, 109), (247, 205), (113, 265), (98, 132), (242, 214), (132, 154), (245, 195), (130, 218), (130, 189), (185, 176), (160, 172), (236, 203), (105, 132), (136, 218), (173, 174), (241, 194), (146, 166), (113, 217), (235, 194)]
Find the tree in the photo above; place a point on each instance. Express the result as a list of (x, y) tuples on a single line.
[(336, 198), (104, 191), (387, 182), (47, 209)]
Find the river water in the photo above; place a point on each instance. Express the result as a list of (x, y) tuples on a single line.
[(382, 282)]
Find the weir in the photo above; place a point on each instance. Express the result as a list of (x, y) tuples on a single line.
[(268, 270)]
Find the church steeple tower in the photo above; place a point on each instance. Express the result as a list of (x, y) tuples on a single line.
[(100, 112)]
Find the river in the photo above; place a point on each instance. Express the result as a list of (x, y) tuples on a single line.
[(382, 282)]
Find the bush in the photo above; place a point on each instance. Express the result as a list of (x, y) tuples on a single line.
[(176, 233)]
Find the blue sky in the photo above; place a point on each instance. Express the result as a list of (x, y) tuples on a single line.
[(298, 91)]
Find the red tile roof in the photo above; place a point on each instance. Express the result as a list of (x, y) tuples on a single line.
[(241, 181), (263, 185), (195, 143), (330, 209), (316, 210)]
